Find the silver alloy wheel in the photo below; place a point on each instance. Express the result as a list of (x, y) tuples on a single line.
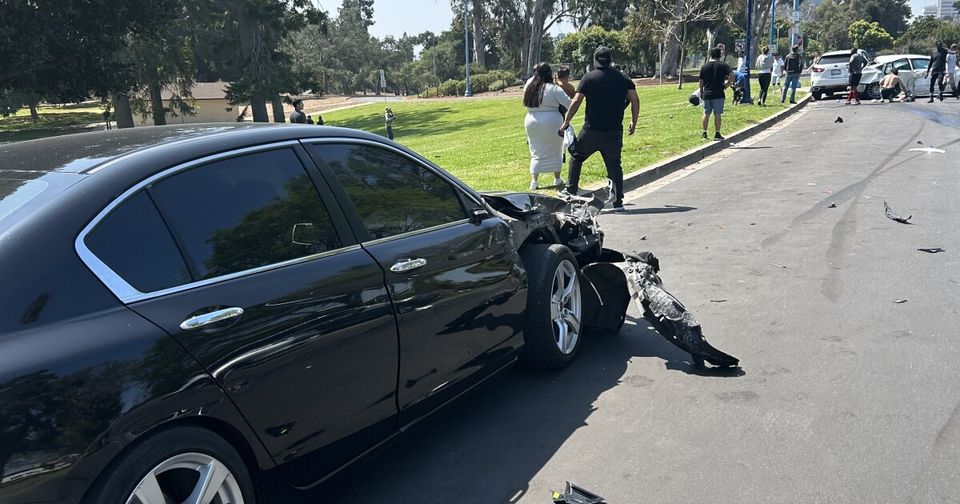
[(873, 91), (188, 478), (565, 307)]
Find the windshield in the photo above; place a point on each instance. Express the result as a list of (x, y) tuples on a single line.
[(834, 59)]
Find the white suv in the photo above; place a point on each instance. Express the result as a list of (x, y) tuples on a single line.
[(830, 74)]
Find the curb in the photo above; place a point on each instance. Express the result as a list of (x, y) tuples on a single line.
[(644, 176)]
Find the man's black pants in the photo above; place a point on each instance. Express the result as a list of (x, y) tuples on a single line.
[(936, 78), (610, 145)]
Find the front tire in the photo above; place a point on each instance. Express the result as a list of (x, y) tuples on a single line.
[(186, 464), (553, 324), (817, 95)]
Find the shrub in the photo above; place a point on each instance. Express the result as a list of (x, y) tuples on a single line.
[(451, 87)]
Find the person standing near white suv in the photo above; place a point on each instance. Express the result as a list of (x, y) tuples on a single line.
[(951, 71), (857, 62)]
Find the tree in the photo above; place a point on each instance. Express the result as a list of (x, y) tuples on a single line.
[(924, 32), (679, 14), (577, 48), (869, 36)]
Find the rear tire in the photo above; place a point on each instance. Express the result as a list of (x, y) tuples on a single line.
[(173, 465), (553, 322), (817, 95), (873, 91)]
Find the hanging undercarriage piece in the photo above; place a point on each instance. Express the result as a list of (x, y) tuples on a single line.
[(612, 278)]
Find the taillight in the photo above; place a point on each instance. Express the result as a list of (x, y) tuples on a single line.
[(817, 68)]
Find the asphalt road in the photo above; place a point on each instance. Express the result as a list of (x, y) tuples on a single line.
[(844, 395)]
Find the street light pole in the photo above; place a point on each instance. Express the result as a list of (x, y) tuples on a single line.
[(466, 45), (748, 54), (773, 24)]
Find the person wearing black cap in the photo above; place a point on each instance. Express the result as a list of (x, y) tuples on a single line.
[(606, 90)]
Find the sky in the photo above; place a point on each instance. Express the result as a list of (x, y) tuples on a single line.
[(393, 17)]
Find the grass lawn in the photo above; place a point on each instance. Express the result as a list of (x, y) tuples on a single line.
[(482, 141), (53, 121)]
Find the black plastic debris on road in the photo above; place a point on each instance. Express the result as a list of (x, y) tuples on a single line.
[(893, 215), (934, 250), (899, 301), (839, 120), (832, 205), (576, 495)]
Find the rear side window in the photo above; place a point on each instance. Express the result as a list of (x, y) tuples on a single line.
[(134, 242), (920, 64), (903, 65), (245, 212), (392, 194)]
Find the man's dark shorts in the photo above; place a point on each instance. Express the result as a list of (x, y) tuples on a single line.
[(855, 80)]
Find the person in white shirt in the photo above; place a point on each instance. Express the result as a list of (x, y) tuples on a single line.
[(952, 70), (764, 70), (544, 100), (777, 69)]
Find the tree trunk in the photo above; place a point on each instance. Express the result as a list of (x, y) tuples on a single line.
[(259, 107), (540, 11), (34, 115), (156, 104), (479, 48), (122, 110), (525, 45), (671, 46), (683, 40), (278, 114)]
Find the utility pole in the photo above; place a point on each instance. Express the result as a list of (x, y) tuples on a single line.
[(773, 24), (747, 53), (795, 17), (466, 45)]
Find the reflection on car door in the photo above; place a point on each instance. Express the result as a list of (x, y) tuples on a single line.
[(457, 284), (284, 309), (922, 82)]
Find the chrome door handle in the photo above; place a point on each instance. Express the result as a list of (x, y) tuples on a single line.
[(210, 318), (404, 265)]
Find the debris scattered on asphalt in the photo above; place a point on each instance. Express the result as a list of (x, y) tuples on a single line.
[(839, 120), (644, 237), (576, 495), (899, 301), (919, 142), (928, 150), (718, 300), (893, 215), (753, 223), (934, 250), (832, 205), (811, 183), (778, 265)]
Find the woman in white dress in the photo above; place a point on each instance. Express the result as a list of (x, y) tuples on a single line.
[(543, 100)]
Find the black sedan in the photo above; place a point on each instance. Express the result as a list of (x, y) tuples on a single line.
[(224, 314)]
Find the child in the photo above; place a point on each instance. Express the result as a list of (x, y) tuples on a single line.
[(388, 116)]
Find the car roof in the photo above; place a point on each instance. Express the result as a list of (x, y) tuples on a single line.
[(836, 53), (86, 152)]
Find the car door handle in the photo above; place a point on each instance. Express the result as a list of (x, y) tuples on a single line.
[(211, 318), (404, 265)]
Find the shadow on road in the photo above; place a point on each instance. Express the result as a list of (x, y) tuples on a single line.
[(487, 447)]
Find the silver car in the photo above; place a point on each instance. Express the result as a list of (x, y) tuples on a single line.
[(911, 68)]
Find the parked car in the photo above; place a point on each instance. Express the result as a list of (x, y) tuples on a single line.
[(911, 68), (830, 74), (226, 313)]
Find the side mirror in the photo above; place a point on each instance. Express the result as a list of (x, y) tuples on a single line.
[(479, 215), (306, 234)]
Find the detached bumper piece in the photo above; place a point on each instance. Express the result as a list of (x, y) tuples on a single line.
[(667, 314), (576, 495)]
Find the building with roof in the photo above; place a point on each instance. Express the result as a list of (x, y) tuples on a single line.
[(210, 100)]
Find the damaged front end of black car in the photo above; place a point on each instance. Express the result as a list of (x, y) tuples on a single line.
[(608, 279)]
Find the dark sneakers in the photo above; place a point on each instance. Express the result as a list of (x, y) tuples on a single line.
[(717, 136), (704, 135)]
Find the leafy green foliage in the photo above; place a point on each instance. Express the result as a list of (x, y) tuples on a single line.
[(869, 36), (925, 31), (577, 48)]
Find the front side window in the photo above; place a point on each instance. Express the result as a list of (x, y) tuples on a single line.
[(392, 194), (133, 241), (245, 212)]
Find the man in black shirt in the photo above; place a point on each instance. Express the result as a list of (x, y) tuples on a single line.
[(606, 90), (715, 76), (938, 66)]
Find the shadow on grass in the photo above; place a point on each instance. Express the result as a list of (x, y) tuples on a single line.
[(487, 447), (413, 122)]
